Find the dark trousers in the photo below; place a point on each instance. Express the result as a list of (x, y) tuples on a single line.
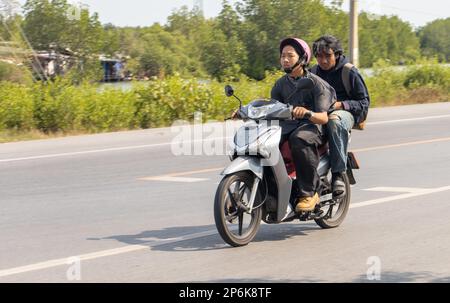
[(304, 143)]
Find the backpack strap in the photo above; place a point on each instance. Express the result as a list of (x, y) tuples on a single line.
[(346, 78)]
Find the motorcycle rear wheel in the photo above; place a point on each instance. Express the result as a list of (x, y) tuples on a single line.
[(230, 217), (337, 215)]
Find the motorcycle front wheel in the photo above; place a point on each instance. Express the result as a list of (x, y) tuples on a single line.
[(234, 224)]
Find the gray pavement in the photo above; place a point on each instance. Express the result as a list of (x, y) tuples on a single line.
[(91, 197)]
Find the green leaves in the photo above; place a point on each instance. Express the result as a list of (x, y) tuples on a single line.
[(243, 38), (424, 83), (56, 21), (16, 107), (435, 39), (60, 107), (387, 38)]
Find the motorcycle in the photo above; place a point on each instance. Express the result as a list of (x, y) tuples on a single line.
[(259, 184)]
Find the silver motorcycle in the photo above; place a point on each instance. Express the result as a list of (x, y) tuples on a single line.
[(259, 184)]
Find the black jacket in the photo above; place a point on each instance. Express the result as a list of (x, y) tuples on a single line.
[(320, 99), (359, 101)]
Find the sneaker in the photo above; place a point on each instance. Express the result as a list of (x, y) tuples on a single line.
[(307, 203), (338, 185)]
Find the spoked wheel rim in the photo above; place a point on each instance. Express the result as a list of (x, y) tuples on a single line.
[(333, 211), (238, 221), (234, 224)]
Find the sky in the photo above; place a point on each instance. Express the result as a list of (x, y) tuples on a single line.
[(147, 12)]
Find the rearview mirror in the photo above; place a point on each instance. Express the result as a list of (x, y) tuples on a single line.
[(229, 91)]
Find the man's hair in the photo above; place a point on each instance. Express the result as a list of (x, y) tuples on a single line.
[(326, 43)]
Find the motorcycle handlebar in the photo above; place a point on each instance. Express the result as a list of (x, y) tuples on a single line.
[(307, 116)]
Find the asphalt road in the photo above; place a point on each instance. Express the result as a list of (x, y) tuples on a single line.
[(123, 208)]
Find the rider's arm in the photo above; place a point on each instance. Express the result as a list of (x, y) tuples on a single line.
[(319, 118), (316, 118), (324, 100)]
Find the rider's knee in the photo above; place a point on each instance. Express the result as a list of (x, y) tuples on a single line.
[(334, 123), (298, 140), (333, 118)]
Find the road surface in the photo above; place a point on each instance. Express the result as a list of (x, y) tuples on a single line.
[(123, 208)]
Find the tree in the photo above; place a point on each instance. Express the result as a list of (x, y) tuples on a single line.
[(223, 53), (223, 56), (267, 22), (45, 22), (185, 21), (112, 39), (85, 35), (228, 20), (53, 22), (387, 38), (435, 39), (166, 53)]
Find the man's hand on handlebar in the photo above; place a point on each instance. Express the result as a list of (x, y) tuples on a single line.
[(234, 116), (300, 112)]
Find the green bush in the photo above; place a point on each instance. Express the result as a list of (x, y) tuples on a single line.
[(14, 73), (426, 82), (162, 102), (62, 107), (429, 75), (16, 107), (385, 84), (110, 110), (55, 105)]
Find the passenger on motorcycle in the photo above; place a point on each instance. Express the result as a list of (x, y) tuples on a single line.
[(306, 133), (352, 106)]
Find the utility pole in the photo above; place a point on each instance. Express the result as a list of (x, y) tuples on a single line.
[(354, 41)]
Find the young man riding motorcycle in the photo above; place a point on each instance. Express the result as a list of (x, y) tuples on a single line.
[(352, 106), (306, 133)]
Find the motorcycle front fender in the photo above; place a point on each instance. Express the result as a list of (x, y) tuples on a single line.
[(246, 163)]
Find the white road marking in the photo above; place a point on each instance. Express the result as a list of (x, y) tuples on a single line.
[(79, 153), (69, 154), (408, 120), (174, 179), (101, 254), (114, 149), (409, 194), (412, 192), (398, 189), (360, 150)]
